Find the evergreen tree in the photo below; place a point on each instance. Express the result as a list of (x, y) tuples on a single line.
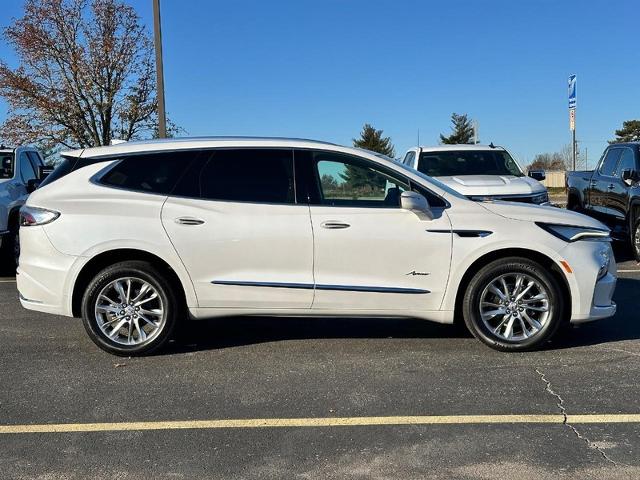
[(630, 132), (462, 130), (362, 181), (372, 139)]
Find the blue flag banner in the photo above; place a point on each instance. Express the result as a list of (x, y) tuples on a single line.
[(572, 91)]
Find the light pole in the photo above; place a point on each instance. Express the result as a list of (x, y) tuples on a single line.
[(157, 40)]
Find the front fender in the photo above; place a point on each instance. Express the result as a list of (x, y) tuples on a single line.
[(466, 259)]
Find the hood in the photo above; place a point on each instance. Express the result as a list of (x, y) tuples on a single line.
[(493, 184), (538, 213)]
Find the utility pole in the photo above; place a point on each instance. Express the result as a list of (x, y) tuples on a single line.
[(157, 40), (475, 132)]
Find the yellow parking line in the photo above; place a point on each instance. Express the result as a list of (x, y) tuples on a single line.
[(316, 422)]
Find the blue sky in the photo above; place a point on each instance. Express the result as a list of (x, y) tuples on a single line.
[(320, 69)]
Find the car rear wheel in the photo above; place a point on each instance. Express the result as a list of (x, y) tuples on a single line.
[(513, 304), (130, 309)]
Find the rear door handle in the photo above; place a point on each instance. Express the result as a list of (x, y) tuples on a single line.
[(333, 225), (189, 221), (611, 186)]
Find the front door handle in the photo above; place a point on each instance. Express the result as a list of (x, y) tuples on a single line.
[(333, 225), (189, 221), (611, 186)]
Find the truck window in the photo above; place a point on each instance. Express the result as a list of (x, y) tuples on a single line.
[(408, 159), (627, 161), (610, 161), (26, 169), (6, 165)]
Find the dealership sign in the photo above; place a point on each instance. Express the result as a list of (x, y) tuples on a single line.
[(572, 91)]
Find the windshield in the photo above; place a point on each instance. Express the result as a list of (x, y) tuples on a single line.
[(431, 180), (468, 162), (6, 165)]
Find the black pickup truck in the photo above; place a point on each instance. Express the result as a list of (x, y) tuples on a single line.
[(611, 192)]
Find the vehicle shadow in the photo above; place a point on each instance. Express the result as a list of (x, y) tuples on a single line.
[(240, 331), (625, 325), (622, 252)]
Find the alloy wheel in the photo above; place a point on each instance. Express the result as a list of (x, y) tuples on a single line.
[(129, 311), (515, 307)]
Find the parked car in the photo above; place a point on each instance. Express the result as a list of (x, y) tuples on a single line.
[(611, 192), (19, 174), (137, 237), (481, 172)]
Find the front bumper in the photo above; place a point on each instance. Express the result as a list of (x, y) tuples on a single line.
[(592, 298), (602, 305)]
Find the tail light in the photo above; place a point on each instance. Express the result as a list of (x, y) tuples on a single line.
[(33, 216)]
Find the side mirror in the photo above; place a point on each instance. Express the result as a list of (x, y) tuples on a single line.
[(416, 203), (538, 175), (629, 176), (32, 185)]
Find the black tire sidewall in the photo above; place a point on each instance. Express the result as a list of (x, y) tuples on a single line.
[(512, 265), (635, 234), (137, 269)]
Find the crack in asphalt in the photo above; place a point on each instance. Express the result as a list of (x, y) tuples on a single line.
[(560, 403)]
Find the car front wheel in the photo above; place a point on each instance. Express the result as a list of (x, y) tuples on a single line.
[(130, 309), (513, 304)]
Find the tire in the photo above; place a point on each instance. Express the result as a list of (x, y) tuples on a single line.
[(538, 313), (635, 240), (144, 324)]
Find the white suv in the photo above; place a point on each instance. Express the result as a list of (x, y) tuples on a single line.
[(138, 237)]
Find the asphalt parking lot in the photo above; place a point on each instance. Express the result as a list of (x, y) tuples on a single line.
[(299, 398)]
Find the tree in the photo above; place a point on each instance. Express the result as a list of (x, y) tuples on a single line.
[(462, 130), (85, 75), (372, 139), (630, 132), (548, 161)]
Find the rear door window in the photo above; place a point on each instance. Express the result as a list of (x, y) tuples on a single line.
[(241, 175), (152, 173)]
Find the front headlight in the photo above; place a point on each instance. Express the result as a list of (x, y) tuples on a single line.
[(541, 198), (571, 233)]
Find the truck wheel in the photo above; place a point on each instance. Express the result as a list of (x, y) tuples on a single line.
[(635, 240), (130, 309), (513, 304), (11, 244)]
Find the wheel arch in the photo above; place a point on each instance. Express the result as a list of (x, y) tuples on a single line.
[(110, 257), (533, 255)]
